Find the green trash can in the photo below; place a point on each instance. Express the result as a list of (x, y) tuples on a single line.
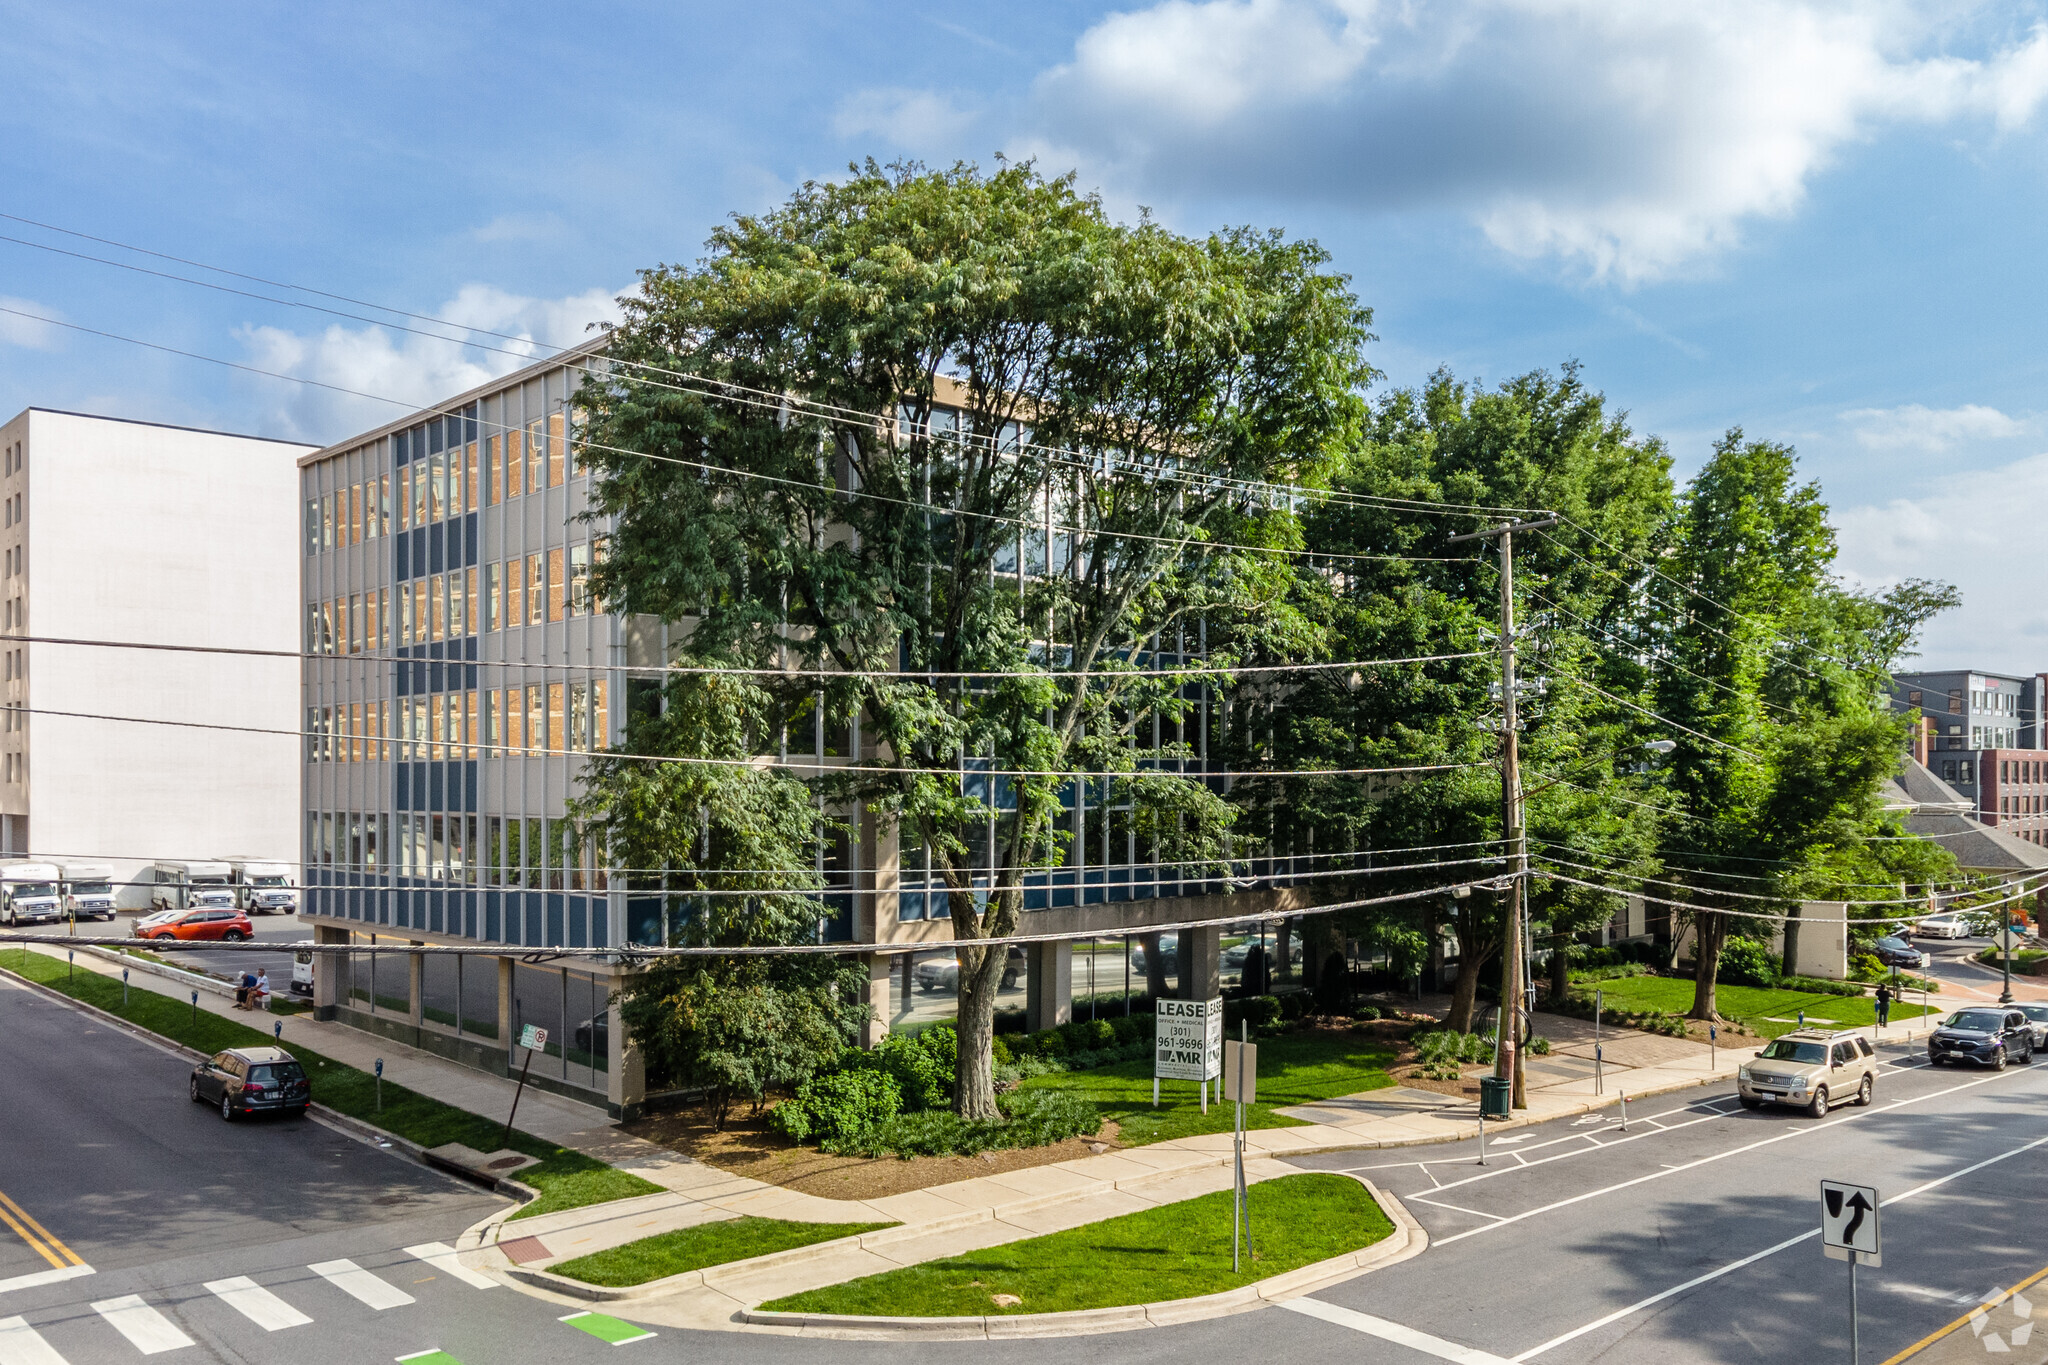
[(1496, 1097)]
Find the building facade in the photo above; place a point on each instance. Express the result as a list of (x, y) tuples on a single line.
[(1980, 733), (136, 532), (459, 675)]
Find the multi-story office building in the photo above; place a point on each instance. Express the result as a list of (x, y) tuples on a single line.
[(137, 532), (461, 676)]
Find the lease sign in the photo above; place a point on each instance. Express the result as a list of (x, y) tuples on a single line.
[(1189, 1043)]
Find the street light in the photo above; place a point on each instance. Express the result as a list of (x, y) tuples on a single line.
[(2005, 950)]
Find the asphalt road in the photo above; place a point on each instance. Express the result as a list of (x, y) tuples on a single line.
[(1686, 1238), (221, 962)]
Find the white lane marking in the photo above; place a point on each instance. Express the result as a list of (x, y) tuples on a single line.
[(442, 1257), (1392, 1331), (1754, 1257), (256, 1303), (21, 1344), (69, 1272), (1438, 1204), (1511, 1141), (149, 1331), (358, 1283), (1785, 1136)]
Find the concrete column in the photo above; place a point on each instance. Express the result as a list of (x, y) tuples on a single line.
[(625, 1086), (1201, 962), (414, 972), (327, 972), (1823, 940), (505, 1038), (1048, 985), (880, 997)]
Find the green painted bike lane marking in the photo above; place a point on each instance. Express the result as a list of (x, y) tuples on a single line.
[(433, 1357), (617, 1331)]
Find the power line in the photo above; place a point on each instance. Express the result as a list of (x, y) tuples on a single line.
[(1663, 720), (1620, 650), (1755, 914), (1717, 891), (1797, 867)]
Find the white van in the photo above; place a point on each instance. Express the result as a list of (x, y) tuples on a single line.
[(88, 890), (302, 973), (28, 893), (262, 888), (184, 886)]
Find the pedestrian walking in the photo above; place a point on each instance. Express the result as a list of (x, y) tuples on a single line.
[(1884, 1004)]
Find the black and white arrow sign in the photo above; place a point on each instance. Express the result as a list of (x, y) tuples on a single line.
[(1848, 1222)]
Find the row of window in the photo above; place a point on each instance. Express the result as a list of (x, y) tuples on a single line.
[(554, 718), (470, 850), (528, 590), (2024, 804), (1993, 737), (2022, 770), (17, 560), (440, 484), (17, 767), (17, 664), (17, 613)]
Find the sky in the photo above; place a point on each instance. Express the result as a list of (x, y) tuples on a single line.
[(1821, 223)]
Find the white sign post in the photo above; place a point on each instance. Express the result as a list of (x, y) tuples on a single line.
[(1240, 1087), (1848, 1232), (1187, 1044)]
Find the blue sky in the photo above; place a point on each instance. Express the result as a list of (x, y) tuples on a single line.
[(1822, 223)]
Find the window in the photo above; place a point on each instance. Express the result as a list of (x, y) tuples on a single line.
[(469, 602), (536, 456), (494, 727), (458, 618), (496, 467), (579, 580), (515, 721), (558, 734), (536, 589), (494, 585), (515, 464), (471, 499), (377, 493), (421, 496), (1913, 697), (404, 497), (557, 447), (1955, 702), (557, 585), (536, 718), (515, 592)]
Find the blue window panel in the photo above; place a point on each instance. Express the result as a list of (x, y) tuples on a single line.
[(1093, 892), (493, 904), (419, 552), (434, 437), (401, 559), (909, 906), (435, 786), (1119, 884), (600, 922), (437, 911), (469, 537), (436, 547), (838, 918), (354, 909), (535, 913), (435, 681), (1063, 888), (643, 922), (555, 927), (579, 921)]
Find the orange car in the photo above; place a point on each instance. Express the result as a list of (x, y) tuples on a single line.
[(201, 923)]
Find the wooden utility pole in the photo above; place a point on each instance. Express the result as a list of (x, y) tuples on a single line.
[(1507, 1063)]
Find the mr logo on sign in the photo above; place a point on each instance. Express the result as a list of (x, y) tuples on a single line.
[(1848, 1222)]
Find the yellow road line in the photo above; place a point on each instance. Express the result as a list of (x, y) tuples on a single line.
[(1937, 1335), (41, 1231), (52, 1257)]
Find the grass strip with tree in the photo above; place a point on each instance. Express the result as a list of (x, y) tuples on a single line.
[(1175, 1251), (672, 1253), (566, 1178), (1294, 1068), (1759, 1009)]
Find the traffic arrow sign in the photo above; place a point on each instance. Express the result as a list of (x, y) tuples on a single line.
[(1848, 1222)]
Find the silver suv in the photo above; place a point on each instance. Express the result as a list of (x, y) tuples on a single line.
[(1810, 1068)]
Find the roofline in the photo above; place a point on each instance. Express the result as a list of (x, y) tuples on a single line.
[(166, 426), (566, 356), (1946, 672)]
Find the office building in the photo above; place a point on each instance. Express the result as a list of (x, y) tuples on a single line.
[(1986, 736), (114, 530)]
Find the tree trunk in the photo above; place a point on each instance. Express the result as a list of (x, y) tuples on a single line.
[(974, 1086), (1432, 974), (1155, 966), (1710, 931), (1790, 965), (1560, 966), (1464, 990)]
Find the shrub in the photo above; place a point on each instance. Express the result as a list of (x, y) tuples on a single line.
[(1748, 962), (1613, 972), (999, 1049), (1294, 1006), (1260, 1011), (1866, 967), (1333, 985), (1126, 1028), (922, 1079), (1439, 1045), (1815, 985), (1031, 1118), (842, 1106), (1366, 1013), (1539, 1046), (1099, 1033)]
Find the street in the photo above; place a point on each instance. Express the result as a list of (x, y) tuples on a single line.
[(1687, 1238)]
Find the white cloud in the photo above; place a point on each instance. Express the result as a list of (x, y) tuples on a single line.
[(366, 364), (1915, 427), (27, 332), (915, 120), (1626, 137), (1975, 532)]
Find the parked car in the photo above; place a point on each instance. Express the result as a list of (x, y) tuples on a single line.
[(1810, 1069), (1986, 1036), (229, 925), (1947, 924), (1896, 952), (2037, 1022), (1169, 959), (943, 973), (252, 1080)]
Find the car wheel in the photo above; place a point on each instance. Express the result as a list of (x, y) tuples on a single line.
[(227, 1109), (233, 936), (1818, 1107), (1866, 1090), (1999, 1060), (197, 1098), (1009, 980), (1748, 1102)]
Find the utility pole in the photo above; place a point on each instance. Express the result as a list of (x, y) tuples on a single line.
[(1507, 1063)]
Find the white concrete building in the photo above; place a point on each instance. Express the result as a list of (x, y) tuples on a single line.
[(112, 530)]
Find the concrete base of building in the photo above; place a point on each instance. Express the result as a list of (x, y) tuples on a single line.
[(471, 1052)]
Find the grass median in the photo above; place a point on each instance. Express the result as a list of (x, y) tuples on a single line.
[(1294, 1068), (672, 1253), (1175, 1251), (1760, 1009), (566, 1179)]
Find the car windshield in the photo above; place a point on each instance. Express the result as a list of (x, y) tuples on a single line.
[(33, 889), (1895, 943), (266, 881), (92, 888), (1785, 1050), (279, 1072), (2035, 1011), (1975, 1019)]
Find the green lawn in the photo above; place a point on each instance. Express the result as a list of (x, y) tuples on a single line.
[(1295, 1068), (566, 1179), (672, 1253), (1754, 1006), (1175, 1251)]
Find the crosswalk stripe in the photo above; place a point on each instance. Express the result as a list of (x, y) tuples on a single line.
[(149, 1331), (358, 1283), (442, 1257), (21, 1344), (257, 1304)]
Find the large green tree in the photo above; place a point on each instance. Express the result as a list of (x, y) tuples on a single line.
[(978, 593)]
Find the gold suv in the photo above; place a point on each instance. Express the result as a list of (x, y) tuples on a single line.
[(1810, 1068)]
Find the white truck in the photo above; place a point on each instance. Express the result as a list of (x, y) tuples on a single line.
[(28, 893), (88, 890), (262, 888), (184, 886)]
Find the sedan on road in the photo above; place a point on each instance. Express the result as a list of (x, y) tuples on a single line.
[(230, 926), (1896, 952), (1990, 1036), (1948, 924), (943, 973), (251, 1080), (2037, 1024)]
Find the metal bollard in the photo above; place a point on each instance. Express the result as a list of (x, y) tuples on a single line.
[(1599, 1077), (1624, 1111), (124, 988), (1482, 1134), (195, 1009), (380, 1085)]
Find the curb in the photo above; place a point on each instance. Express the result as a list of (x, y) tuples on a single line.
[(1407, 1240)]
